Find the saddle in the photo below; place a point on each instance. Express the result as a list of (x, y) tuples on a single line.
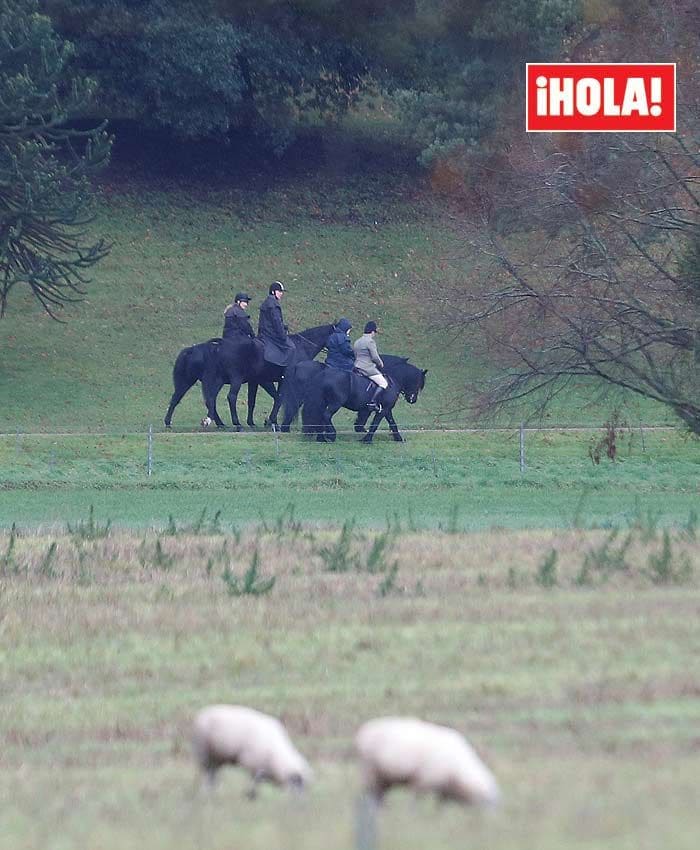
[(368, 384)]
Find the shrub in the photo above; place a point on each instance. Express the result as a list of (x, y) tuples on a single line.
[(546, 575), (251, 584), (89, 529), (664, 568)]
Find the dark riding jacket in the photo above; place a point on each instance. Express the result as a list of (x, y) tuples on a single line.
[(237, 323), (273, 332), (340, 352)]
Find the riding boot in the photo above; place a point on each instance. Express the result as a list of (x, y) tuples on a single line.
[(374, 403)]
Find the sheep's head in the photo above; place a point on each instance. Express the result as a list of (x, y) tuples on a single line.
[(299, 776), (297, 783)]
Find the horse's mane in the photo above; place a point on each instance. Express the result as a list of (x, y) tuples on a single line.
[(394, 358), (312, 330)]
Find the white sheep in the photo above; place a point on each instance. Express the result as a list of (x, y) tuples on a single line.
[(424, 756), (234, 734)]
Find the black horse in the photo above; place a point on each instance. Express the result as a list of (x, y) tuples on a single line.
[(322, 391), (194, 361), (239, 362), (189, 368)]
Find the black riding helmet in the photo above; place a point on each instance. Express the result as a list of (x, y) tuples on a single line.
[(242, 296), (277, 286), (370, 326)]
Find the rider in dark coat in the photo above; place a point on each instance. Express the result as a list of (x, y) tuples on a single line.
[(236, 321), (279, 349), (340, 352)]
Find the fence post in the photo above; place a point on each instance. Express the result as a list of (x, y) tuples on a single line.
[(522, 447), (365, 823), (277, 439), (150, 450)]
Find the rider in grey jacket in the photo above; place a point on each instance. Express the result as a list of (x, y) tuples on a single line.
[(369, 363)]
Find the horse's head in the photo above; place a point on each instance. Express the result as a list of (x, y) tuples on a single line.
[(409, 378), (413, 383)]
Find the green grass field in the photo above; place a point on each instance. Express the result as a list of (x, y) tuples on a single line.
[(465, 481), (578, 688), (549, 614), (370, 240)]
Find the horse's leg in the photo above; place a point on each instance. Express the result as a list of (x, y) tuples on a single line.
[(210, 390), (361, 419), (232, 398), (373, 427), (276, 404), (252, 395), (323, 430), (328, 415), (323, 427), (175, 399), (389, 413)]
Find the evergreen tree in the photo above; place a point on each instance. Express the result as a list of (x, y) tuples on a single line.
[(201, 68), (46, 198)]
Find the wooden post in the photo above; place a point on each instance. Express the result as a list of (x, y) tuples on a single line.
[(150, 450)]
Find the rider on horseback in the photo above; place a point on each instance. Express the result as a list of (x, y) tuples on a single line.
[(340, 352), (369, 363), (237, 320), (279, 349)]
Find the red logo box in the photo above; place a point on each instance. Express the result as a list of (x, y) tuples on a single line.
[(567, 97)]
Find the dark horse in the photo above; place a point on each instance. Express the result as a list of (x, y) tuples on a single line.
[(188, 369), (193, 362), (323, 391), (241, 362)]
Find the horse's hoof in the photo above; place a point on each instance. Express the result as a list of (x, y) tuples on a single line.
[(360, 429), (285, 429), (399, 439), (168, 426), (252, 426), (206, 422), (320, 438), (366, 440)]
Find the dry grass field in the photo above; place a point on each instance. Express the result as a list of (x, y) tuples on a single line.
[(569, 658)]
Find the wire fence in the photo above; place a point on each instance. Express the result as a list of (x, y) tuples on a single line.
[(153, 452), (262, 433)]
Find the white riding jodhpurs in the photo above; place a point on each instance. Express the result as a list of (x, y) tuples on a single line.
[(379, 379)]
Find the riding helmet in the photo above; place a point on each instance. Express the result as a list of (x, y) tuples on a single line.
[(277, 286), (242, 296), (370, 326)]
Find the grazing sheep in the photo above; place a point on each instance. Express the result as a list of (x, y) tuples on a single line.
[(426, 757), (234, 734)]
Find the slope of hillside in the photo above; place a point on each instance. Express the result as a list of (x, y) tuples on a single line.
[(352, 230)]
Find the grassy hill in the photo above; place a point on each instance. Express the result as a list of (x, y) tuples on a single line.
[(352, 227)]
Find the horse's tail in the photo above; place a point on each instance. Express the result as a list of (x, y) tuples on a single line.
[(182, 368), (314, 406), (190, 363)]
